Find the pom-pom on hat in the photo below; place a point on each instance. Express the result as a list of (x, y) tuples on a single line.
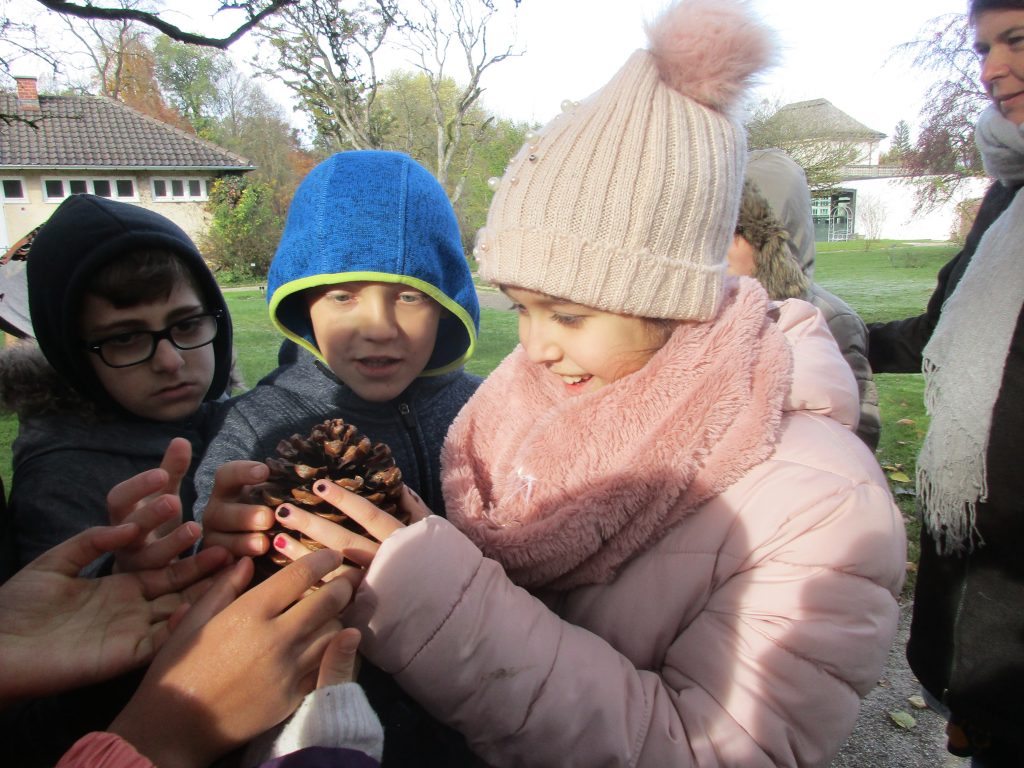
[(627, 201)]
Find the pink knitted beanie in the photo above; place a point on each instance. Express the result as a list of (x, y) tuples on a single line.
[(627, 201)]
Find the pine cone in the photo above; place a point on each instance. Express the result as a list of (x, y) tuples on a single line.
[(336, 451)]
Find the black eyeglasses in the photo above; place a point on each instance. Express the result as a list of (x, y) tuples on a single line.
[(127, 349)]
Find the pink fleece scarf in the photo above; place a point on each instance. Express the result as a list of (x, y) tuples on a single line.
[(563, 489)]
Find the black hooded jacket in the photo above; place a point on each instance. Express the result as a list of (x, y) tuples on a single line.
[(967, 635), (74, 441), (84, 235)]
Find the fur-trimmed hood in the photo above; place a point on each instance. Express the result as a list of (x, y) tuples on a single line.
[(775, 218), (29, 385)]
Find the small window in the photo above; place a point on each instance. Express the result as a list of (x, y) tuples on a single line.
[(13, 189), (180, 189), (56, 190)]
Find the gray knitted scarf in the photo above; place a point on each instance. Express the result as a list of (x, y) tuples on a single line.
[(964, 360)]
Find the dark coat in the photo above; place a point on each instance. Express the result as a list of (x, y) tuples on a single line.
[(301, 394), (967, 635)]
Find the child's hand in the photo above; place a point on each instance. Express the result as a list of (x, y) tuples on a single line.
[(238, 665), (151, 501), (359, 549), (62, 631), (230, 519), (339, 662)]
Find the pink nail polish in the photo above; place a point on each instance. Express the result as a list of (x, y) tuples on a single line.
[(280, 542)]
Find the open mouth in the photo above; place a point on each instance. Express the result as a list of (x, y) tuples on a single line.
[(575, 381)]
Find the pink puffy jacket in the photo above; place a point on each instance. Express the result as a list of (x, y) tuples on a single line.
[(745, 637)]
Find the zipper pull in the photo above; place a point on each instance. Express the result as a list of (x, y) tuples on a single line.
[(405, 410)]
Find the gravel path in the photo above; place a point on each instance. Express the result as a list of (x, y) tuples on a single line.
[(877, 742)]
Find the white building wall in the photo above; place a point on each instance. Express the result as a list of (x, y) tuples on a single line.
[(900, 222), (21, 217)]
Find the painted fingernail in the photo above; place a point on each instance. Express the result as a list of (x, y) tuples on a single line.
[(320, 487), (280, 542), (283, 511)]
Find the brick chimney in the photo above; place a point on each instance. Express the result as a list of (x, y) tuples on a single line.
[(28, 96)]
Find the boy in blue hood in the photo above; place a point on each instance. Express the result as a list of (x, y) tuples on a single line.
[(370, 281)]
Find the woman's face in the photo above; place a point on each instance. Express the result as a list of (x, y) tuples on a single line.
[(999, 43), (584, 347)]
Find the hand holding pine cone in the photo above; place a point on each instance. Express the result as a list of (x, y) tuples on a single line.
[(337, 451)]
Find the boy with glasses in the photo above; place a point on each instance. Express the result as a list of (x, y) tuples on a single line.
[(137, 341)]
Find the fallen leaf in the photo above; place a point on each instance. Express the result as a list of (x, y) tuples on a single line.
[(903, 719), (917, 702), (906, 422), (899, 477)]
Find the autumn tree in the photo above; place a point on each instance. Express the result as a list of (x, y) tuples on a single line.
[(500, 141), (190, 78), (109, 46), (872, 212), (251, 123), (325, 53), (485, 148), (944, 153), (140, 90), (430, 37), (244, 229), (328, 53), (20, 37)]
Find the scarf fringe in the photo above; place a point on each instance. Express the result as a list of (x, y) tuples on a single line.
[(963, 366)]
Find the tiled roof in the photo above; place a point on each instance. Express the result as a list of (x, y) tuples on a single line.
[(97, 132), (820, 119)]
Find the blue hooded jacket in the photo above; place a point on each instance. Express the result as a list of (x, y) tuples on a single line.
[(366, 215), (370, 215)]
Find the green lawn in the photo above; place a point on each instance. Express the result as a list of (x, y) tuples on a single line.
[(887, 281)]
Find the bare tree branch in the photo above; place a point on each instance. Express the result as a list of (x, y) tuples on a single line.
[(429, 39), (326, 54), (257, 12)]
